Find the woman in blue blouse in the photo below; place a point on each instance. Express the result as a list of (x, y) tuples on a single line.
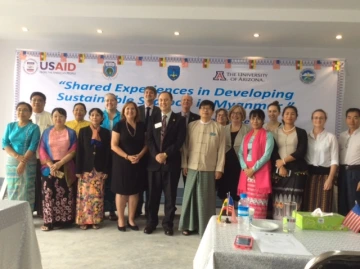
[(111, 117), (20, 142)]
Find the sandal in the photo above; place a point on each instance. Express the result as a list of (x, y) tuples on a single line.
[(187, 232), (46, 228), (95, 226), (83, 227)]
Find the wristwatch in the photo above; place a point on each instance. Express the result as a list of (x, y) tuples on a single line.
[(165, 154)]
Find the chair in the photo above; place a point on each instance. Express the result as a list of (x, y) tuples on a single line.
[(335, 260)]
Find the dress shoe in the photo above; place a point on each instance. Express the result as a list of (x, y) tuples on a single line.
[(122, 229), (149, 229), (133, 227), (169, 231)]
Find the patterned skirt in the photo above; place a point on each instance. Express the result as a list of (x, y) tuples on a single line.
[(315, 196), (21, 187), (258, 201), (199, 203), (58, 200), (90, 198), (287, 189)]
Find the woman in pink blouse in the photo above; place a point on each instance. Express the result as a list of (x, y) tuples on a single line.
[(57, 150)]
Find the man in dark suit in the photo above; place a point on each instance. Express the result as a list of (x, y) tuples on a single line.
[(186, 103), (165, 136), (146, 111)]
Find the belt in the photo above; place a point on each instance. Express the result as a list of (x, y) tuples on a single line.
[(351, 167)]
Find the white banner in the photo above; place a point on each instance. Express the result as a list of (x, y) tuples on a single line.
[(69, 78)]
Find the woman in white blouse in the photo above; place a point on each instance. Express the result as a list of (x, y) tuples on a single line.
[(323, 159)]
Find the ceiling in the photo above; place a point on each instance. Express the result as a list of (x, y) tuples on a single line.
[(231, 23)]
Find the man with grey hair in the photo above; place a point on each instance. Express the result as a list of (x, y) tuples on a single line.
[(186, 104)]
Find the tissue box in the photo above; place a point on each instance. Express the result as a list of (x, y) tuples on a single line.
[(305, 221)]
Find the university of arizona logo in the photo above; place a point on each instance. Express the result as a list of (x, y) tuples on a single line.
[(110, 70), (307, 76), (219, 76), (173, 72)]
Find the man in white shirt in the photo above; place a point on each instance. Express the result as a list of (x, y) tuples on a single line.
[(349, 175), (44, 120), (146, 111)]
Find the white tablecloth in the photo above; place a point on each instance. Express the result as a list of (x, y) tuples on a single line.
[(216, 249), (19, 248)]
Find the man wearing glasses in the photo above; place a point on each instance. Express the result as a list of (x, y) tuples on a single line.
[(349, 175), (43, 119)]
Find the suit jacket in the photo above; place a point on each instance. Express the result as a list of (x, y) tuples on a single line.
[(142, 112), (192, 117), (86, 160), (174, 139)]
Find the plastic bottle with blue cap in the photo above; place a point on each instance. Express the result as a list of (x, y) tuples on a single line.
[(243, 212)]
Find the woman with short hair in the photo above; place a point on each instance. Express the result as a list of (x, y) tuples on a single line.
[(20, 141), (79, 122), (221, 116), (57, 151)]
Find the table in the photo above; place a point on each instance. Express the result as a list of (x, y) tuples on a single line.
[(19, 247), (216, 248)]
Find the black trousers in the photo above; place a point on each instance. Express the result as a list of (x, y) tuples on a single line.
[(347, 184), (144, 190), (159, 182), (38, 190)]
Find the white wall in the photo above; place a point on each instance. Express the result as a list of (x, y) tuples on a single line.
[(7, 56)]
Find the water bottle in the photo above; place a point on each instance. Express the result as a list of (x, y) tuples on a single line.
[(243, 211)]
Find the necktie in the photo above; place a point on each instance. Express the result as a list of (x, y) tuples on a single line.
[(147, 116), (163, 129)]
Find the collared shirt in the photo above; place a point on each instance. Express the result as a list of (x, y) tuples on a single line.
[(151, 110), (43, 120), (168, 115), (186, 115), (322, 150), (350, 147), (77, 125)]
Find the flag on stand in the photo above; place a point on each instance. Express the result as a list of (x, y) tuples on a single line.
[(162, 62), (228, 63), (120, 60), (336, 65), (352, 219), (184, 62), (276, 64), (223, 208), (298, 65), (81, 57), (317, 65), (22, 55), (139, 61), (252, 64), (206, 63), (100, 59), (42, 56), (230, 207), (63, 57)]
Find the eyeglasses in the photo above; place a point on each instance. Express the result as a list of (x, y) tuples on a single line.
[(37, 100), (236, 113), (22, 110)]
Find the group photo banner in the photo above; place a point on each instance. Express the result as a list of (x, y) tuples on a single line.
[(67, 78)]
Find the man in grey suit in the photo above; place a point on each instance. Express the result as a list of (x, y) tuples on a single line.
[(186, 104), (146, 111)]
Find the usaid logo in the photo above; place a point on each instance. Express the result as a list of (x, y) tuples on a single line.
[(30, 66)]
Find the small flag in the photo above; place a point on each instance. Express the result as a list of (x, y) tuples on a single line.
[(63, 57), (81, 58), (223, 207), (206, 63), (184, 62), (317, 65), (298, 65), (162, 62), (336, 65), (22, 55), (42, 56), (120, 60), (352, 219), (100, 59), (252, 64), (228, 63), (276, 64), (139, 61), (230, 207)]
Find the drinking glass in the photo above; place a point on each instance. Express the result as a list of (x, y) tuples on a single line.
[(289, 214)]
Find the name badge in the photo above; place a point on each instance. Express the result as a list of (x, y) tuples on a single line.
[(212, 134), (158, 125)]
